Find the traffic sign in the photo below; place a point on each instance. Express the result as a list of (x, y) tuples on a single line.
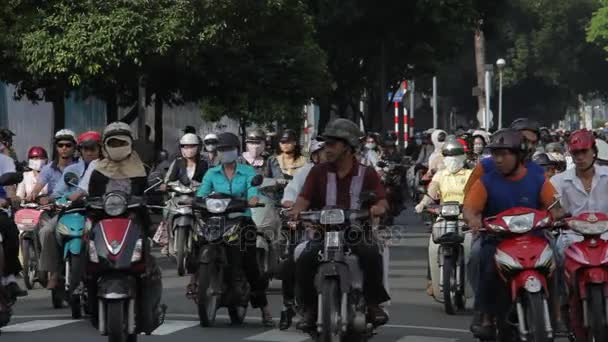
[(398, 97)]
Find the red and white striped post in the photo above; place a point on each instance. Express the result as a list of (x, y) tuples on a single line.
[(405, 115), (397, 121)]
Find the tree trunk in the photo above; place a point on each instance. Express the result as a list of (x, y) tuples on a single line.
[(480, 63), (158, 122), (141, 109), (111, 106)]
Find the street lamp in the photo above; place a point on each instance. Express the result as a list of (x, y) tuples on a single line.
[(500, 63)]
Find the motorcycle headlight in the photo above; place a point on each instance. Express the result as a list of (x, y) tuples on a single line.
[(115, 205), (137, 250), (450, 210), (332, 216), (93, 252), (216, 205), (520, 223)]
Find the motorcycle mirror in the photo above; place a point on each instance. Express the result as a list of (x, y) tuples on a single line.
[(257, 180), (71, 178), (11, 178), (158, 180), (381, 163)]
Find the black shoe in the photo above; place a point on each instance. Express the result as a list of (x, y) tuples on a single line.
[(286, 318), (267, 320), (485, 332), (476, 323), (376, 315), (307, 323), (15, 291)]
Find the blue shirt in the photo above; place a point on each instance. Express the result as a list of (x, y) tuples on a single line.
[(505, 194), (489, 166), (50, 175), (61, 188), (215, 180)]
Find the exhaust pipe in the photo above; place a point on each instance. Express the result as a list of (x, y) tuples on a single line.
[(131, 316), (101, 317), (320, 313)]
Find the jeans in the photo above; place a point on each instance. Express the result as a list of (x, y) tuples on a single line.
[(248, 260), (49, 253)]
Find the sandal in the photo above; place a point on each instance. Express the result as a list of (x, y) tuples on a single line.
[(191, 291), (267, 320)]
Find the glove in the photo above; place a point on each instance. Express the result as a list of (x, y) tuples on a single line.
[(419, 208)]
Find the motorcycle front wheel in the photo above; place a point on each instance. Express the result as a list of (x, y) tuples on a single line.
[(206, 300), (598, 331), (181, 238), (535, 317), (449, 286), (29, 267), (75, 276), (330, 311), (117, 323)]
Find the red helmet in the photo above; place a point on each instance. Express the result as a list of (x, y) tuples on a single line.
[(581, 139), (37, 152), (90, 138), (464, 144)]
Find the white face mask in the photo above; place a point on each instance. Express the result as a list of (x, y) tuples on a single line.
[(210, 148), (118, 153), (370, 146), (189, 152), (454, 163), (227, 157), (255, 149), (36, 164)]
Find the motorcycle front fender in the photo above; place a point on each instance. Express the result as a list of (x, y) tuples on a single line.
[(261, 243), (183, 221), (73, 246), (338, 271), (212, 253), (594, 275), (112, 288), (528, 280)]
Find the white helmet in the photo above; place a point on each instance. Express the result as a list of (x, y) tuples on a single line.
[(315, 145), (483, 134), (189, 139), (602, 149), (210, 137), (65, 134)]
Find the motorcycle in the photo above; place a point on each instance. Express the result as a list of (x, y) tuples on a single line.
[(524, 262), (269, 223), (6, 302), (117, 270), (183, 229), (586, 271), (28, 220), (220, 284), (339, 280), (448, 253)]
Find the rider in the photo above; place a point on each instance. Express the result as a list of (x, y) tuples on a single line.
[(426, 149), (254, 155), (436, 159), (555, 151), (481, 139), (210, 142), (37, 158), (371, 153), (234, 179), (543, 160), (389, 148), (290, 159), (447, 184), (339, 182), (6, 143), (293, 189), (511, 184)]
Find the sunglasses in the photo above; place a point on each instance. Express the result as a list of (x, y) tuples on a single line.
[(67, 145)]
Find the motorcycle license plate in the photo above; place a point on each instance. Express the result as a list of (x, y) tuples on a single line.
[(332, 239)]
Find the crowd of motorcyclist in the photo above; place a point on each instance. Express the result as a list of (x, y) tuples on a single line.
[(521, 166)]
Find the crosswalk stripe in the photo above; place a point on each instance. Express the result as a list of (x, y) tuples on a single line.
[(37, 325), (426, 339), (169, 327), (276, 335)]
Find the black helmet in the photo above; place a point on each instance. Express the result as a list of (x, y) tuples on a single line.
[(389, 139), (543, 159), (508, 138), (6, 136), (289, 135), (554, 147), (522, 124), (256, 135), (228, 139)]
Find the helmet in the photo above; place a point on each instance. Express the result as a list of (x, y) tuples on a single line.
[(6, 136), (554, 147), (315, 145), (117, 128), (389, 139), (508, 138), (289, 135), (602, 149), (90, 138), (37, 152), (210, 138), (452, 147), (522, 124), (256, 135), (190, 139), (581, 139), (464, 144), (343, 129), (438, 135), (543, 159), (483, 135), (228, 139), (65, 135)]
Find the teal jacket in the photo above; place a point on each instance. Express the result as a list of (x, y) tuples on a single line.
[(215, 180)]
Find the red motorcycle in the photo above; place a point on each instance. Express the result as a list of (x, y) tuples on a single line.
[(525, 262), (586, 270)]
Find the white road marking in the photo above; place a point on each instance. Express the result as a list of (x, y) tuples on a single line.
[(169, 327), (425, 339), (276, 335), (37, 325)]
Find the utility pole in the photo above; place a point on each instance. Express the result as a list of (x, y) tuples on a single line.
[(435, 102), (480, 63), (141, 109)]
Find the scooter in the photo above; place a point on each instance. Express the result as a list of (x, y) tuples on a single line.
[(269, 242), (525, 262), (586, 270), (27, 220), (183, 229)]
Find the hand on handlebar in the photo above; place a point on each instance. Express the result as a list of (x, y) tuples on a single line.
[(377, 210), (253, 201)]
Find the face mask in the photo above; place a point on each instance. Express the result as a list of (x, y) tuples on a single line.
[(478, 148), (36, 164), (227, 157), (255, 149), (189, 152), (454, 164), (210, 148), (370, 146), (118, 153)]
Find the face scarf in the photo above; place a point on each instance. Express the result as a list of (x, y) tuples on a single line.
[(227, 157), (189, 152), (255, 150), (36, 164), (121, 162), (211, 147), (454, 163), (370, 146)]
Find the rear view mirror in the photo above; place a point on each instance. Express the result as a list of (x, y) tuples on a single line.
[(257, 180), (71, 178), (11, 178)]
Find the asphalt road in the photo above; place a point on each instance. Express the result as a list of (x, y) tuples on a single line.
[(414, 317)]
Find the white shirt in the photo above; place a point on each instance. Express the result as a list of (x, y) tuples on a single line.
[(573, 197), (84, 182), (293, 189), (27, 185)]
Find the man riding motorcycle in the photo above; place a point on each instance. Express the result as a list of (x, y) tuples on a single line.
[(543, 160), (254, 155), (234, 179), (339, 183), (447, 184), (210, 154), (510, 184)]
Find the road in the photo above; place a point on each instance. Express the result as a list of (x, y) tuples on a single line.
[(414, 317)]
